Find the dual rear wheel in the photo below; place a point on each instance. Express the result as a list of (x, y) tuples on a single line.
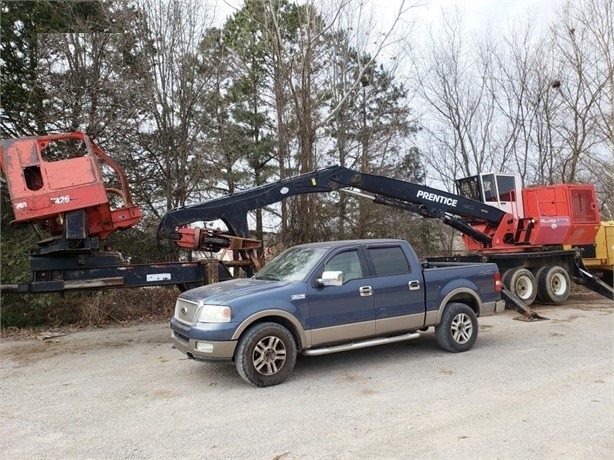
[(546, 284), (553, 284)]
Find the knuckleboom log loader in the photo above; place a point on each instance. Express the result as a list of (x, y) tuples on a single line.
[(57, 182)]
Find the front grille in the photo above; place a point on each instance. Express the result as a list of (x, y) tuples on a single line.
[(185, 311)]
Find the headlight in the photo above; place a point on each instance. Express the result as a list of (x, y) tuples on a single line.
[(214, 314)]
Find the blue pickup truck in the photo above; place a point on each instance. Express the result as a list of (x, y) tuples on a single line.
[(333, 296)]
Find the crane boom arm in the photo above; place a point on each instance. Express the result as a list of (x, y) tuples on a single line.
[(420, 199)]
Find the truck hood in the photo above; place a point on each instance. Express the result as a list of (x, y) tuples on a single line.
[(226, 291)]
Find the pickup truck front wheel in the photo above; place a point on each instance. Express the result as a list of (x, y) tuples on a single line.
[(266, 354), (458, 329)]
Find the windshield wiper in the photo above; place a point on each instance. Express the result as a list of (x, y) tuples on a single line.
[(268, 277)]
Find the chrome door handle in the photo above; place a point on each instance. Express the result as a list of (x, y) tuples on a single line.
[(414, 285), (365, 291)]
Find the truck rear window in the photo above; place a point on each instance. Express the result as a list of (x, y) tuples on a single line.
[(389, 261)]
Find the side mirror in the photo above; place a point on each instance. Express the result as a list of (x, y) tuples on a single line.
[(331, 278)]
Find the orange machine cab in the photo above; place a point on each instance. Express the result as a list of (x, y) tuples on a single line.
[(552, 215), (48, 176), (564, 214)]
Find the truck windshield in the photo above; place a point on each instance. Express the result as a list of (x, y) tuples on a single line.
[(291, 265)]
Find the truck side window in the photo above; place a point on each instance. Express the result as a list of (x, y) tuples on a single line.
[(389, 261), (347, 262)]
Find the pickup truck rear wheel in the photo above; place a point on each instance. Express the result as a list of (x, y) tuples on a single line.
[(458, 329), (266, 354)]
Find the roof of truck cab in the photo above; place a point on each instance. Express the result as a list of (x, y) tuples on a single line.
[(328, 244)]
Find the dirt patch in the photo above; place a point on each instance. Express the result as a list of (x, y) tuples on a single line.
[(582, 296), (29, 347), (569, 319), (29, 352)]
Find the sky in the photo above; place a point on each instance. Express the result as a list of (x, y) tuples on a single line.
[(491, 11), (478, 15), (477, 12)]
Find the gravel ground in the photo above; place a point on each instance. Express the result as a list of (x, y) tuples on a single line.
[(526, 390)]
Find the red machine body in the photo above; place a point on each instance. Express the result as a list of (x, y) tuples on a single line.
[(44, 184), (544, 216), (565, 214)]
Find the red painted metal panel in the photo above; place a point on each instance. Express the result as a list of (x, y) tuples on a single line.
[(564, 214), (41, 189), (48, 176)]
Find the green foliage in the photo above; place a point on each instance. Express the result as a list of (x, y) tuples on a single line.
[(14, 250), (15, 244), (252, 43), (137, 245), (23, 315), (191, 112), (22, 22), (250, 30)]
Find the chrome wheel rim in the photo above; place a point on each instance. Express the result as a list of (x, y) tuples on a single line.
[(269, 355), (462, 328)]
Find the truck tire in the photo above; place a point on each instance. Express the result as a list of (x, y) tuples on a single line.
[(521, 282), (458, 329), (553, 284), (266, 354)]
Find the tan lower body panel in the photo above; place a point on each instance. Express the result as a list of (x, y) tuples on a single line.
[(399, 323), (350, 332), (432, 317), (344, 333)]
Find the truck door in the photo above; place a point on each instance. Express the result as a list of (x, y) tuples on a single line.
[(398, 290), (342, 313)]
